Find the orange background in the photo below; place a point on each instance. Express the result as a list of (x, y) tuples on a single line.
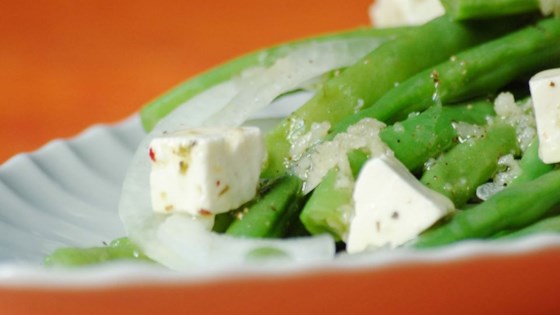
[(65, 65)]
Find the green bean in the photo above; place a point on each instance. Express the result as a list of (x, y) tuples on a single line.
[(296, 229), (356, 159), (363, 83), (477, 71), (417, 139), (222, 221), (511, 208), (413, 142), (158, 108), (261, 216), (119, 249), (548, 225), (531, 165), (289, 225), (327, 210), (477, 9), (460, 171)]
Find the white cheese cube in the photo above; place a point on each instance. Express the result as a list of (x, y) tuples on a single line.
[(391, 206), (205, 171), (545, 92), (387, 13)]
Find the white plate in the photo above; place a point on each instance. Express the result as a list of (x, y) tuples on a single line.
[(66, 194)]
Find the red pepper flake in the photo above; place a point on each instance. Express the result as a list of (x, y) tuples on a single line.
[(204, 212), (152, 155), (218, 183)]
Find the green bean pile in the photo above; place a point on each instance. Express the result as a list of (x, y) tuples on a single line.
[(421, 82)]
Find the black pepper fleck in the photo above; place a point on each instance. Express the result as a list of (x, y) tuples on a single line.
[(223, 191), (435, 76), (183, 167)]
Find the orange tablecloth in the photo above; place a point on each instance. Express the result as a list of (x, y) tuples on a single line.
[(68, 64)]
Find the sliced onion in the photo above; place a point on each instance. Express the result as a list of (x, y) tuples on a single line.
[(262, 85), (182, 242)]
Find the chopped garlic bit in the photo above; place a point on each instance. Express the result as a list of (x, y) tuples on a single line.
[(429, 163), (300, 144), (466, 131), (508, 170), (413, 114), (398, 127), (359, 105), (520, 116), (319, 159)]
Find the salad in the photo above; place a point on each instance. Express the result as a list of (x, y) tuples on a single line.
[(416, 137)]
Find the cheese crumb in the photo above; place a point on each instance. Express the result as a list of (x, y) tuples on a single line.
[(317, 161)]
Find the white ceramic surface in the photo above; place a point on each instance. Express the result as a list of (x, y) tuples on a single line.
[(66, 193)]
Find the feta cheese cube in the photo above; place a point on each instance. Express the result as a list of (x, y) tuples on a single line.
[(391, 206), (205, 171), (545, 92)]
